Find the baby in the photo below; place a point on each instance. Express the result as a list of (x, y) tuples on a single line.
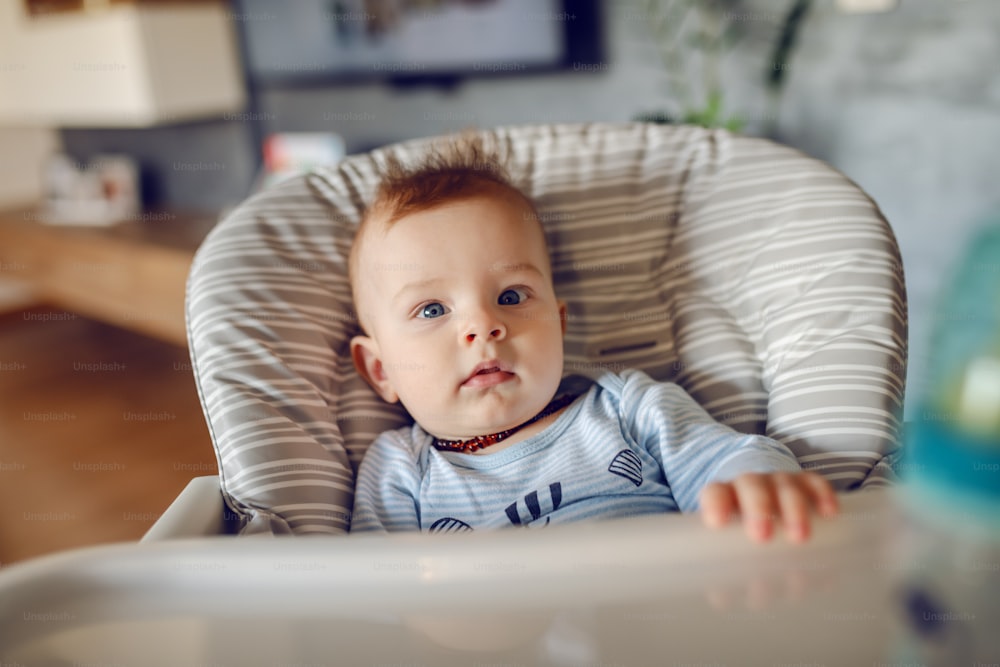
[(453, 287)]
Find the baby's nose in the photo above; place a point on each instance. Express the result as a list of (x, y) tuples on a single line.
[(485, 325), (494, 333)]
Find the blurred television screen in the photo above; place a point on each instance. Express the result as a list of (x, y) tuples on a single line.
[(362, 40)]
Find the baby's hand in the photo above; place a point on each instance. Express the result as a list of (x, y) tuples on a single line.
[(762, 499)]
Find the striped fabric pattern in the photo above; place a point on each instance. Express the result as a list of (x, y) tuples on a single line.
[(764, 282)]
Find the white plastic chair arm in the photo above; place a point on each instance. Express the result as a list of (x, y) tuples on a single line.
[(198, 511)]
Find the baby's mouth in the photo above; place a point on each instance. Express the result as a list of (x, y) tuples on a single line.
[(488, 374)]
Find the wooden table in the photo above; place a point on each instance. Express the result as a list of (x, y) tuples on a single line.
[(131, 274)]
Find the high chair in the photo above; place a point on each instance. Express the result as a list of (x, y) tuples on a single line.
[(764, 282)]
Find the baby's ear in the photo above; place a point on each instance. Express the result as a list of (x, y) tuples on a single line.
[(364, 353), (562, 315)]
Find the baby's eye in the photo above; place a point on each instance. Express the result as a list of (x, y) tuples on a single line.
[(511, 297), (432, 310)]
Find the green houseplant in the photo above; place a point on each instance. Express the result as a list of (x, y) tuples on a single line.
[(697, 35)]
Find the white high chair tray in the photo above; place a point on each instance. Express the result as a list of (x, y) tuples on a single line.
[(648, 590)]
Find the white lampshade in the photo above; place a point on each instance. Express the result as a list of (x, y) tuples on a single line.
[(123, 65)]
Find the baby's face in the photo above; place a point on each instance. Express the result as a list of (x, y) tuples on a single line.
[(465, 327)]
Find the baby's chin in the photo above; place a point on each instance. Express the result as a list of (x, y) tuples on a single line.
[(498, 417), (470, 431)]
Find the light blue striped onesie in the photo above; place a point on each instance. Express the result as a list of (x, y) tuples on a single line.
[(628, 445)]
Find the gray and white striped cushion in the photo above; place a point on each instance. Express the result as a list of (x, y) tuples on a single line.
[(761, 280)]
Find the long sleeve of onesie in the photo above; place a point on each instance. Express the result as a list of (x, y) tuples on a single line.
[(692, 447)]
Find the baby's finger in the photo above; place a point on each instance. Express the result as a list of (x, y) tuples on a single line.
[(757, 504), (822, 493), (717, 504), (793, 501)]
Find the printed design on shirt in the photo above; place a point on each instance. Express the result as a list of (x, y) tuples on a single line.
[(534, 506), (447, 524), (627, 464)]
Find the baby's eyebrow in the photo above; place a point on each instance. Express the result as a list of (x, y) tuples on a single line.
[(416, 285), (513, 268)]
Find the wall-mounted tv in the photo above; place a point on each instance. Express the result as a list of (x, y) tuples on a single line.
[(405, 41)]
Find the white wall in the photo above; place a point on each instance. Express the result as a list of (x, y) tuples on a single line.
[(22, 158), (23, 152)]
